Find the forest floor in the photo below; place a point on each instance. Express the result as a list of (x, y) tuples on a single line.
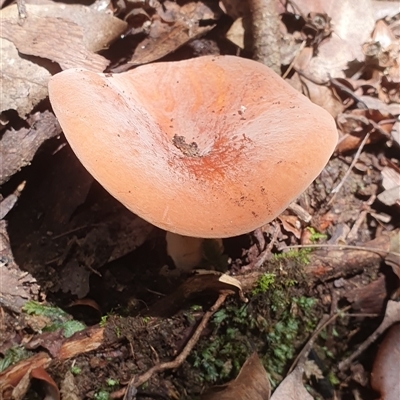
[(91, 304)]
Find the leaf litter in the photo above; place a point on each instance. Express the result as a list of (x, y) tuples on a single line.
[(66, 241)]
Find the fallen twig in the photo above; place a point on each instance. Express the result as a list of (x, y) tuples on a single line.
[(392, 316), (325, 321), (353, 163), (375, 250), (261, 260)]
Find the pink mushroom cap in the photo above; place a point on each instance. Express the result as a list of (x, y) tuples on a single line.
[(209, 147)]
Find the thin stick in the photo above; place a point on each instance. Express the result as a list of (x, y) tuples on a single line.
[(325, 321), (136, 381), (392, 315), (299, 50), (342, 247), (267, 251), (353, 163)]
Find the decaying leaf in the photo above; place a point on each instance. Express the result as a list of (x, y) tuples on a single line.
[(13, 282), (59, 40), (172, 27), (67, 34), (391, 185), (252, 383), (17, 148), (12, 376), (292, 388), (385, 377), (50, 388), (23, 81), (352, 27)]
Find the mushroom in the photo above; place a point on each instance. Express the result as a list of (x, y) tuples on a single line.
[(210, 147)]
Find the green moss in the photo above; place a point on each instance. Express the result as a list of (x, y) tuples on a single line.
[(265, 282), (14, 355), (58, 319), (102, 395), (315, 236), (300, 256), (75, 370), (275, 323)]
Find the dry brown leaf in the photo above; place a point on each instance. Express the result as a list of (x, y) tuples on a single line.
[(12, 376), (50, 388), (59, 40), (99, 28), (352, 21), (391, 184), (17, 148), (171, 29), (291, 224), (13, 282), (67, 34), (236, 33), (385, 377), (252, 383), (292, 388), (23, 81), (352, 26)]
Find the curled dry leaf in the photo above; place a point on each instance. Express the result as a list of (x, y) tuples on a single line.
[(11, 377), (252, 383), (356, 124), (50, 388), (385, 377)]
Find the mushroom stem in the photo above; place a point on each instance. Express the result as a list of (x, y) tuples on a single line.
[(185, 251)]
